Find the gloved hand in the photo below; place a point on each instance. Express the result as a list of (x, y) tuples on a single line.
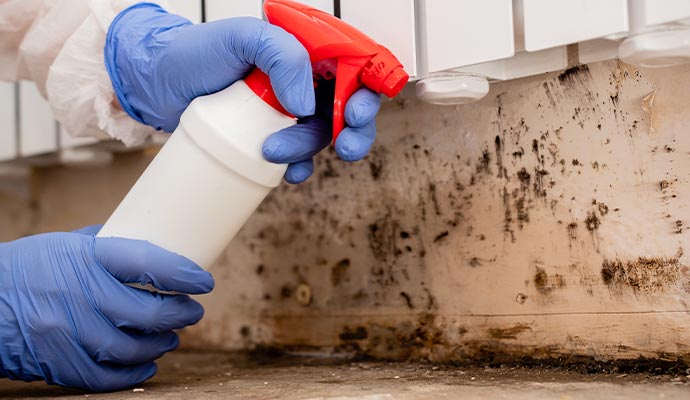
[(66, 316), (159, 62)]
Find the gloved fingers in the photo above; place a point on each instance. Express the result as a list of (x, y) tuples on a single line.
[(109, 377), (299, 172), (112, 345), (361, 108), (354, 143), (91, 230), (297, 143), (138, 261), (280, 55), (149, 312)]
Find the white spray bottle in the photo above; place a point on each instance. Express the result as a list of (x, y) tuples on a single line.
[(210, 176)]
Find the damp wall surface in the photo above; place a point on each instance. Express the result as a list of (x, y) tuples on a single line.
[(549, 219)]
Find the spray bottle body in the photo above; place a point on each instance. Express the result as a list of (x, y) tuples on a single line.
[(208, 178)]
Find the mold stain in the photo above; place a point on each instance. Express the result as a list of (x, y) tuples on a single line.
[(349, 334), (339, 271), (409, 339), (592, 222), (508, 333), (575, 75), (546, 284), (645, 274)]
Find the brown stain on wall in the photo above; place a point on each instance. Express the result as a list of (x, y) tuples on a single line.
[(407, 340), (339, 271), (546, 283), (647, 275), (508, 333)]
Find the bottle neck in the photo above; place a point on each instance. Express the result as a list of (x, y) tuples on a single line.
[(260, 84)]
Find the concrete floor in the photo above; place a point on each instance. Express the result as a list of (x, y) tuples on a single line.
[(184, 375)]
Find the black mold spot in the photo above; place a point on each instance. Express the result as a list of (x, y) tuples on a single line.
[(339, 271), (592, 222), (572, 75), (375, 167), (245, 331), (408, 300), (285, 292), (440, 236), (359, 333), (572, 230)]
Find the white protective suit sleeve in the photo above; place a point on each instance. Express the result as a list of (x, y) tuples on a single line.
[(59, 44)]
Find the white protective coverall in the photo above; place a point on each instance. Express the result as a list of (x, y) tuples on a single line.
[(58, 44)]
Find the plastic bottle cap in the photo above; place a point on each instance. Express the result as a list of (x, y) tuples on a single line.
[(658, 49), (452, 88)]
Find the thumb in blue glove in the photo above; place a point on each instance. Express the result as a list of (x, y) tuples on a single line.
[(67, 317), (159, 62)]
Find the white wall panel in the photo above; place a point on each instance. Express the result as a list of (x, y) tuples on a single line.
[(37, 128), (389, 22), (550, 23), (8, 127)]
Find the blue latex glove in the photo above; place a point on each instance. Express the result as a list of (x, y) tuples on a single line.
[(159, 62), (67, 318)]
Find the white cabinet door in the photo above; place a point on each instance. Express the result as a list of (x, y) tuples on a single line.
[(389, 22), (219, 9), (456, 33), (550, 23), (37, 128), (324, 5), (190, 9), (8, 132)]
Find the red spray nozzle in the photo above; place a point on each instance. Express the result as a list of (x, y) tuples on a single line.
[(360, 60)]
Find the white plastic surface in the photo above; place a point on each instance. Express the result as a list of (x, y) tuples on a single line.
[(447, 88), (389, 22), (522, 64), (8, 130), (37, 128), (662, 11), (190, 9), (456, 33), (219, 9), (204, 184), (550, 23), (657, 49)]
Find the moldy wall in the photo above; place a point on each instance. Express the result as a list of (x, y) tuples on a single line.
[(548, 219)]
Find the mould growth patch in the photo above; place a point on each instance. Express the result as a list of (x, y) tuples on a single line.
[(642, 275), (546, 283), (508, 333)]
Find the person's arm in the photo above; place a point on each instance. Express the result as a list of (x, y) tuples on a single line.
[(59, 46), (121, 68)]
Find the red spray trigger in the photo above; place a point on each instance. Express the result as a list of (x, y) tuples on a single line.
[(360, 60)]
